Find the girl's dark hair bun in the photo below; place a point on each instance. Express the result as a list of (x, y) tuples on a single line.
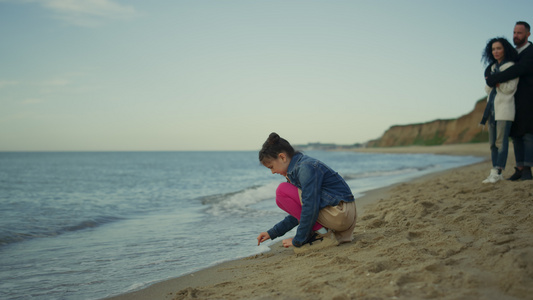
[(273, 146), (273, 138)]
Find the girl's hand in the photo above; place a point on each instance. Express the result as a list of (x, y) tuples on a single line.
[(287, 243), (263, 236)]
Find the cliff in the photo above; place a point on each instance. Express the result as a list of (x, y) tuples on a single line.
[(465, 129)]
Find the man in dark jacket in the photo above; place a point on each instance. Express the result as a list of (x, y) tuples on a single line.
[(522, 129)]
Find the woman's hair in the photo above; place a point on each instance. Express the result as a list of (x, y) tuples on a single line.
[(275, 145), (509, 51)]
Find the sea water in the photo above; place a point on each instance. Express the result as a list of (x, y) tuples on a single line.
[(88, 225)]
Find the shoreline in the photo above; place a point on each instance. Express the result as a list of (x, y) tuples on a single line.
[(443, 235), (473, 149)]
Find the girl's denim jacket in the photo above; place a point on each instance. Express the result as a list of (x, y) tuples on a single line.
[(321, 187)]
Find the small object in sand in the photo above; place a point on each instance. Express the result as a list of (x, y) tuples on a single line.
[(318, 242)]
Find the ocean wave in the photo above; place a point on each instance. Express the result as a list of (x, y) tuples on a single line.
[(9, 237), (239, 202), (90, 223), (246, 201), (379, 173)]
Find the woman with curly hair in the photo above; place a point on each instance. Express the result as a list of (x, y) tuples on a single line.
[(499, 54)]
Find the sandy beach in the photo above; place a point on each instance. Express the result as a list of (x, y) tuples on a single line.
[(443, 236)]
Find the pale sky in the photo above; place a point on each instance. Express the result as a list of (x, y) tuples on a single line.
[(99, 75)]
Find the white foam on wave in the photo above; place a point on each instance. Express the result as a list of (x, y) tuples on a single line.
[(241, 202)]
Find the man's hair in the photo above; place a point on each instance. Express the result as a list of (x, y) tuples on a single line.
[(525, 24)]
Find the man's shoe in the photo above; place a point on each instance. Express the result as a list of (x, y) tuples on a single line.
[(493, 177), (517, 174), (526, 174), (318, 242)]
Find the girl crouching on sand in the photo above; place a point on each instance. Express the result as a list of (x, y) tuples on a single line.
[(499, 54), (315, 197)]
